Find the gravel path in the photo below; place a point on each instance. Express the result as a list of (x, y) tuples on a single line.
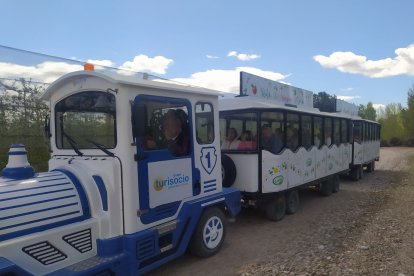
[(365, 229)]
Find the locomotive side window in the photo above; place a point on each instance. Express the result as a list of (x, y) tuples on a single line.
[(204, 120)]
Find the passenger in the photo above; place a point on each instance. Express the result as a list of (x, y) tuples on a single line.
[(317, 138), (292, 140), (231, 143), (246, 141), (176, 133), (270, 141)]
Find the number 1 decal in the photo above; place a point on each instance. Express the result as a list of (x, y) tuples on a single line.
[(208, 158)]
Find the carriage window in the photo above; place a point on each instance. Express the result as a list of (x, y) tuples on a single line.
[(238, 131), (306, 131), (327, 131), (272, 131), (336, 132), (366, 137), (292, 131), (167, 127), (317, 131), (204, 119), (344, 131), (357, 132)]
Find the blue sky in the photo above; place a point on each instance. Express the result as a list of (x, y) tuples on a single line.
[(363, 50)]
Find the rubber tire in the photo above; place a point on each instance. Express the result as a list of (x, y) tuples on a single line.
[(197, 246), (335, 184), (373, 166), (228, 169), (276, 208), (292, 202), (326, 187), (354, 174)]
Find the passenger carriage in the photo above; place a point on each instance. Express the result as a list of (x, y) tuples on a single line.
[(315, 147)]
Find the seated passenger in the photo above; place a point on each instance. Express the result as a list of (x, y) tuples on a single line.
[(246, 141), (231, 143), (292, 140), (176, 133), (317, 138), (270, 141)]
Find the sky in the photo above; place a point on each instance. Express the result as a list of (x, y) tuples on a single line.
[(361, 51)]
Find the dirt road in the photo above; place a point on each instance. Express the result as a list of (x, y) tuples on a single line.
[(366, 228)]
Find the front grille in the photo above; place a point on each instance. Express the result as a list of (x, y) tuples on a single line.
[(81, 241), (45, 253)]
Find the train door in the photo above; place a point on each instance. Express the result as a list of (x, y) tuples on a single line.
[(164, 153)]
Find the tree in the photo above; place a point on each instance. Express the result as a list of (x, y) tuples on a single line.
[(408, 113), (325, 102), (21, 116), (367, 112)]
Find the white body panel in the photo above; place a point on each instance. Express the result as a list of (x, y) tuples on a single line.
[(289, 169)]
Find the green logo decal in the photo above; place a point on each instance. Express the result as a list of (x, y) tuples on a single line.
[(278, 180)]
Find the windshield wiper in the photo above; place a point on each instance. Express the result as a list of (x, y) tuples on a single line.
[(72, 143), (101, 147)]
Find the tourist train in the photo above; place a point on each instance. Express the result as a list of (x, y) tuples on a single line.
[(142, 171)]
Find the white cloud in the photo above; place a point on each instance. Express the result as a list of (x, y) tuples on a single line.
[(243, 57), (226, 80), (348, 98), (47, 71), (143, 63), (378, 106), (212, 57), (347, 89), (348, 62), (100, 63)]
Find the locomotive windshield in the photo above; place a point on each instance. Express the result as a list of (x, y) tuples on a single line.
[(86, 120)]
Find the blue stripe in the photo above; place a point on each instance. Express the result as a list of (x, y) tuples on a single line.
[(18, 153), (16, 146), (210, 185), (102, 191), (209, 190), (45, 193), (210, 181), (39, 211), (37, 202), (35, 188), (39, 220)]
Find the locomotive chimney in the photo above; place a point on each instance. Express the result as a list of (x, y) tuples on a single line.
[(18, 167)]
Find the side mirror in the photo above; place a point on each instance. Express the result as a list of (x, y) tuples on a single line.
[(46, 127)]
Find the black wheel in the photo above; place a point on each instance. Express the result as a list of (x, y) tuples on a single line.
[(335, 184), (373, 165), (276, 208), (326, 187), (361, 172), (228, 171), (292, 202), (354, 174), (209, 234)]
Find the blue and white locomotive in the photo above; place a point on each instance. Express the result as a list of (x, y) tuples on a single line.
[(117, 200)]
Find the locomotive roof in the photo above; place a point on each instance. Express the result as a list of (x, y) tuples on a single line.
[(128, 80)]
